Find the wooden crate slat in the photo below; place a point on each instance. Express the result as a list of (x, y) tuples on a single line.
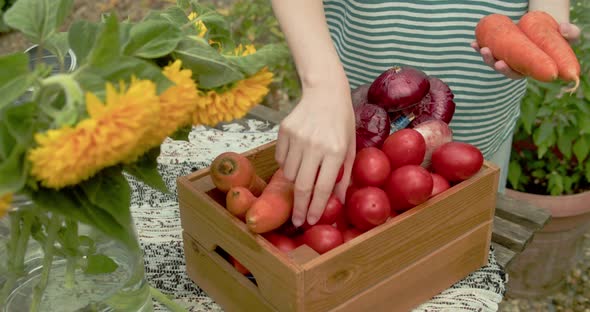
[(511, 235), (521, 212), (427, 276)]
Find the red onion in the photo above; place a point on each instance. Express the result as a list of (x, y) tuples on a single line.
[(359, 95), (372, 126), (398, 87), (437, 104)]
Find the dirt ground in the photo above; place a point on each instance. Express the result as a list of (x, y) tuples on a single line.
[(575, 295)]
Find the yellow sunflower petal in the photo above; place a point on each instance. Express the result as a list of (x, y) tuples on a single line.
[(67, 156), (5, 201)]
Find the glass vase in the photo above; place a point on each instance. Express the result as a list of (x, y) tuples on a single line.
[(51, 263)]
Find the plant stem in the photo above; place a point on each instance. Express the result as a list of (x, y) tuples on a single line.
[(12, 247), (72, 244), (171, 305), (23, 241), (52, 229)]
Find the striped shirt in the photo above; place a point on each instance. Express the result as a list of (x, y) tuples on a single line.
[(434, 36)]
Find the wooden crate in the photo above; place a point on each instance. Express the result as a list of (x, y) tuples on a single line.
[(393, 267)]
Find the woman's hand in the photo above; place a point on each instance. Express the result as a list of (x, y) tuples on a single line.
[(569, 31), (315, 140)]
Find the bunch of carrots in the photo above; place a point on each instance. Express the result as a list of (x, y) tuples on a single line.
[(263, 207), (533, 47)]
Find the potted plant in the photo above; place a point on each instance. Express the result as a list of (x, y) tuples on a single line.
[(550, 168)]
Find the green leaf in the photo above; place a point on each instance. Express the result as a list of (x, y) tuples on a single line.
[(587, 171), (13, 171), (7, 142), (172, 14), (81, 37), (584, 123), (152, 39), (63, 10), (19, 121), (582, 148), (146, 169), (72, 203), (125, 32), (514, 173), (106, 48), (208, 66), (95, 77), (182, 134), (528, 114), (110, 191), (566, 140), (32, 18), (555, 184), (57, 44), (544, 136), (100, 264), (15, 77), (184, 4), (268, 55)]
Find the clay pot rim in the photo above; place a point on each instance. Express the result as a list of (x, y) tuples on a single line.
[(559, 206)]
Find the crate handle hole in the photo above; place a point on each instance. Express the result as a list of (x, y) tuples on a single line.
[(236, 264)]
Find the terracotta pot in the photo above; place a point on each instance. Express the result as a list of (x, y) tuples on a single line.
[(542, 267)]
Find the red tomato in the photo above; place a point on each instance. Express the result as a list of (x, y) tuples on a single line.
[(322, 238), (404, 147), (351, 189), (332, 212), (350, 233), (408, 186), (371, 167), (240, 267), (368, 208), (282, 242), (457, 161), (440, 184)]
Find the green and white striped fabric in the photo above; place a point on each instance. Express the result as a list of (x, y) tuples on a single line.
[(435, 36)]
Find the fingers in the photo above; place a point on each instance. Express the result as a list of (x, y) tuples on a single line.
[(293, 159), (499, 66), (282, 146), (487, 56), (475, 46), (304, 186), (504, 69), (342, 186), (570, 32), (324, 186)]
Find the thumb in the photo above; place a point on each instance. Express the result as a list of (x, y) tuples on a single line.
[(342, 186), (570, 32)]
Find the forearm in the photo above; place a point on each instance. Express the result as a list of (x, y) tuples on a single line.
[(304, 24), (559, 9)]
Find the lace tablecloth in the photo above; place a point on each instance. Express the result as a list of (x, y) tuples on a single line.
[(157, 219)]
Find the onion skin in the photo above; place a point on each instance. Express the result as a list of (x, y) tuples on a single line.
[(372, 126), (359, 95), (398, 88), (437, 104)]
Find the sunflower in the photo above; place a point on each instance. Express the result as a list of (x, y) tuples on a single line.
[(234, 102), (109, 136), (5, 201), (199, 25), (176, 106)]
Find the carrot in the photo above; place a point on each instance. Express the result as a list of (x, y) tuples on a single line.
[(238, 200), (508, 43), (231, 169), (543, 30), (274, 206)]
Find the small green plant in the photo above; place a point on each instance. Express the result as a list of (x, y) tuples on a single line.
[(550, 154), (4, 6)]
